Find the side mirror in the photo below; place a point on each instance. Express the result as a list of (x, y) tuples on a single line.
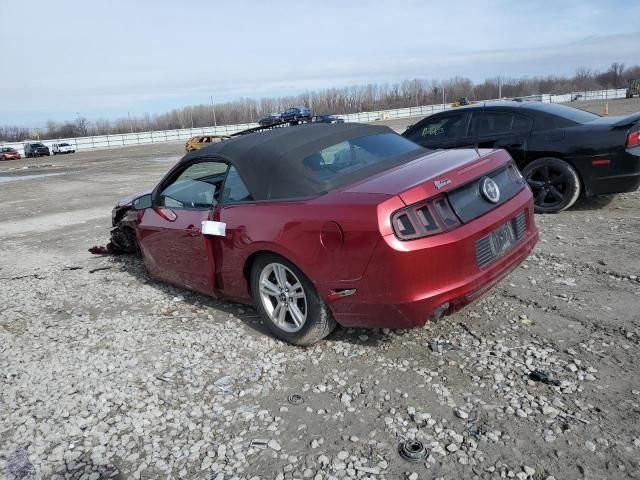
[(142, 202)]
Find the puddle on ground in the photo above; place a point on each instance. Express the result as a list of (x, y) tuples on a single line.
[(171, 159), (37, 165), (17, 178)]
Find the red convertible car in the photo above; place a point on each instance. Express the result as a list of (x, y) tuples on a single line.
[(325, 223)]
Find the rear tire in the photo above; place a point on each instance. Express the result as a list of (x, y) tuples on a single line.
[(554, 182), (288, 301)]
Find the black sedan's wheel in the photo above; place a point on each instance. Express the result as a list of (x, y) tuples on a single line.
[(288, 302), (555, 184)]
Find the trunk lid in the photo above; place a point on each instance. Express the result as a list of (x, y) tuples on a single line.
[(433, 174), (616, 122)]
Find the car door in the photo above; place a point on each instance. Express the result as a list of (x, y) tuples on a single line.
[(490, 129), (170, 232), (441, 131)]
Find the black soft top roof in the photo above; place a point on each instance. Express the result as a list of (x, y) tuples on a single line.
[(270, 162)]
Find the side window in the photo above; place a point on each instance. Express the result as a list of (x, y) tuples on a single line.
[(521, 124), (551, 122), (444, 127), (484, 123), (234, 189), (198, 186)]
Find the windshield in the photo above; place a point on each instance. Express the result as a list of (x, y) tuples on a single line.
[(569, 113), (37, 145), (357, 158), (64, 145)]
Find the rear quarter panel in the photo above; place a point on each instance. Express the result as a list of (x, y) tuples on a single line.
[(292, 229), (580, 146)]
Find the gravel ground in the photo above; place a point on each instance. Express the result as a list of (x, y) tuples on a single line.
[(106, 373)]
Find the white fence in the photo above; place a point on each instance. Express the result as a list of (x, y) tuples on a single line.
[(140, 138)]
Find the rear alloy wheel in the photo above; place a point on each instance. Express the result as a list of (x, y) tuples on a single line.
[(555, 184), (288, 302)]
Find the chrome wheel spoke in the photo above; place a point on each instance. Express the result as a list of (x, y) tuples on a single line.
[(281, 275), (282, 314), (269, 288), (296, 315), (296, 291)]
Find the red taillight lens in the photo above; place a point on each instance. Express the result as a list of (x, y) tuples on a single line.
[(424, 219), (633, 140)]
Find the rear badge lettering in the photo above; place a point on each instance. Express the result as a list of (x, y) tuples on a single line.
[(441, 183)]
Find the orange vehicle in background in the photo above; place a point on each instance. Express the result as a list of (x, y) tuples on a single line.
[(201, 141)]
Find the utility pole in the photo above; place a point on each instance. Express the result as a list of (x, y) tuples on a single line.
[(213, 110), (191, 112), (130, 124), (443, 95), (499, 87)]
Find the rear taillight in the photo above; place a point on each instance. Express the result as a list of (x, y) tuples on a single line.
[(424, 219), (633, 140)]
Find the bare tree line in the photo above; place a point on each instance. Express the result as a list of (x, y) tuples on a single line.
[(360, 98)]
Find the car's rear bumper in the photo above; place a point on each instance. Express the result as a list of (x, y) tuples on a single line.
[(621, 173), (406, 282)]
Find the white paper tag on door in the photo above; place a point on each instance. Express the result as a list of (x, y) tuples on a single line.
[(213, 228)]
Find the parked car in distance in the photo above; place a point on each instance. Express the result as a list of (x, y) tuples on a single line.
[(9, 153), (296, 114), (63, 147), (36, 149), (633, 88), (308, 224), (271, 119), (563, 152), (326, 118), (201, 141)]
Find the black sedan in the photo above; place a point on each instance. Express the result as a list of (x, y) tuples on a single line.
[(562, 152), (270, 119), (326, 118)]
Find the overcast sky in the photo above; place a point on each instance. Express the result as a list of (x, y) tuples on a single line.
[(104, 59)]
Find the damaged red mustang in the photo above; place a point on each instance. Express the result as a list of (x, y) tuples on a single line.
[(347, 223)]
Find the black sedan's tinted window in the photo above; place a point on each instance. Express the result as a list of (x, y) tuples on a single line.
[(445, 126), (521, 124), (489, 123), (574, 115)]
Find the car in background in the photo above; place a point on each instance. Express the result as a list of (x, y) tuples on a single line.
[(326, 118), (633, 88), (9, 153), (271, 119), (201, 141), (563, 152), (296, 114), (308, 224), (63, 147), (36, 149)]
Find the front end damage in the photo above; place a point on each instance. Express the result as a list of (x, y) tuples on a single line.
[(123, 235)]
